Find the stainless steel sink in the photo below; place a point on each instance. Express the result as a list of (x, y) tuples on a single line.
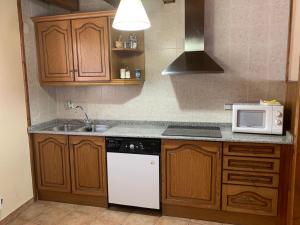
[(95, 128), (65, 128), (99, 128)]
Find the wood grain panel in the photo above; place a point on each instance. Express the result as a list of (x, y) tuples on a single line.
[(91, 49), (52, 162), (252, 200), (55, 51), (88, 165), (252, 150), (250, 178), (251, 164), (191, 173)]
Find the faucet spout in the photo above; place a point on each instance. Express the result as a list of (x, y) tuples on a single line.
[(85, 114)]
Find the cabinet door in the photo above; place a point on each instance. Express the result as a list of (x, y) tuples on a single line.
[(52, 163), (252, 200), (191, 173), (55, 51), (88, 166), (91, 49)]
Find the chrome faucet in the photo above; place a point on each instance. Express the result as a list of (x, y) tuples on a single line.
[(87, 121)]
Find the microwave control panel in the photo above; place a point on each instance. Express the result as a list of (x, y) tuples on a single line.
[(277, 123)]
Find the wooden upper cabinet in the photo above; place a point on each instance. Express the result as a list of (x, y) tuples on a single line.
[(191, 173), (52, 163), (91, 49), (79, 49), (55, 51), (88, 166)]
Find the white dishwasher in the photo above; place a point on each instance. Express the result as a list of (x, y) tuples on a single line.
[(133, 166)]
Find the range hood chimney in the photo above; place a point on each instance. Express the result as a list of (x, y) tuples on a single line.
[(194, 60)]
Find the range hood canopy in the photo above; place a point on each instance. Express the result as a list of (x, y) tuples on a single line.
[(194, 60)]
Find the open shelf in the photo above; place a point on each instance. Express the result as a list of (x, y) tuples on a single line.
[(127, 50), (132, 58), (127, 81)]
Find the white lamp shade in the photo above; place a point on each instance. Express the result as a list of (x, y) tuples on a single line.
[(131, 16)]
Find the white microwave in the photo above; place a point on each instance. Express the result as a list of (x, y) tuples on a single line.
[(257, 118)]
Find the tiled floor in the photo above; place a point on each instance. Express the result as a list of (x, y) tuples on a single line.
[(52, 213)]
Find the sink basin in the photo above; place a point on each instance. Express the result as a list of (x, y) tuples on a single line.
[(79, 128), (65, 128), (95, 128)]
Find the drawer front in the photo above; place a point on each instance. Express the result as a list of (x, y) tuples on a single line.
[(252, 150), (250, 178), (251, 164), (251, 200)]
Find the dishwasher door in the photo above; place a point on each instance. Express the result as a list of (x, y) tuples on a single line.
[(133, 180)]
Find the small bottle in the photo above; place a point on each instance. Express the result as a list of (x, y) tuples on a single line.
[(138, 74), (123, 72), (127, 73)]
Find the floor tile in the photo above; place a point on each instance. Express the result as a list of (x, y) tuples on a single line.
[(139, 219), (53, 213), (20, 222), (51, 216), (166, 220), (76, 218), (111, 218), (34, 211), (89, 210), (202, 222)]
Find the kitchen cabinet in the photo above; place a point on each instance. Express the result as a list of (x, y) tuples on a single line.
[(91, 49), (79, 49), (71, 169), (88, 168), (191, 173), (247, 199), (52, 163), (251, 178), (55, 51)]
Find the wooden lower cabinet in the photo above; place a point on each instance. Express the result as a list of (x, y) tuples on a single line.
[(191, 173), (252, 200), (71, 169), (52, 163), (88, 167)]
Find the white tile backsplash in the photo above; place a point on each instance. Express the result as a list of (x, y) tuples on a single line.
[(248, 38)]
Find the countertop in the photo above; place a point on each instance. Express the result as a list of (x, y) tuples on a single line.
[(146, 129)]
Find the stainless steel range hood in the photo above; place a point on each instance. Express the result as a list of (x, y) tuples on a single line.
[(194, 60)]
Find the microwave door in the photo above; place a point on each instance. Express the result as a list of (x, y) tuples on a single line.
[(252, 120)]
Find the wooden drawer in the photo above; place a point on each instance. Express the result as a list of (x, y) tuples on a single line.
[(251, 164), (250, 178), (252, 150), (252, 200)]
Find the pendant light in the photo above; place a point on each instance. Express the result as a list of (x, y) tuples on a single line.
[(131, 16)]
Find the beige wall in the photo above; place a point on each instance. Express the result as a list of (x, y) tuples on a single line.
[(248, 38), (42, 99), (15, 175)]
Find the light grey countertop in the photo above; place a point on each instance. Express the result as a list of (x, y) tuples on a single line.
[(147, 129)]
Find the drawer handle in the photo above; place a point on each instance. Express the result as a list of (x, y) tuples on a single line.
[(250, 179), (250, 164), (254, 150)]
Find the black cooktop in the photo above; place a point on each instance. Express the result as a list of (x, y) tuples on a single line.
[(191, 131)]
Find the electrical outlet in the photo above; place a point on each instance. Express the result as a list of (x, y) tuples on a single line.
[(228, 107), (69, 105)]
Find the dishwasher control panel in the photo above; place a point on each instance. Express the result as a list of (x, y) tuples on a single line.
[(134, 145)]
